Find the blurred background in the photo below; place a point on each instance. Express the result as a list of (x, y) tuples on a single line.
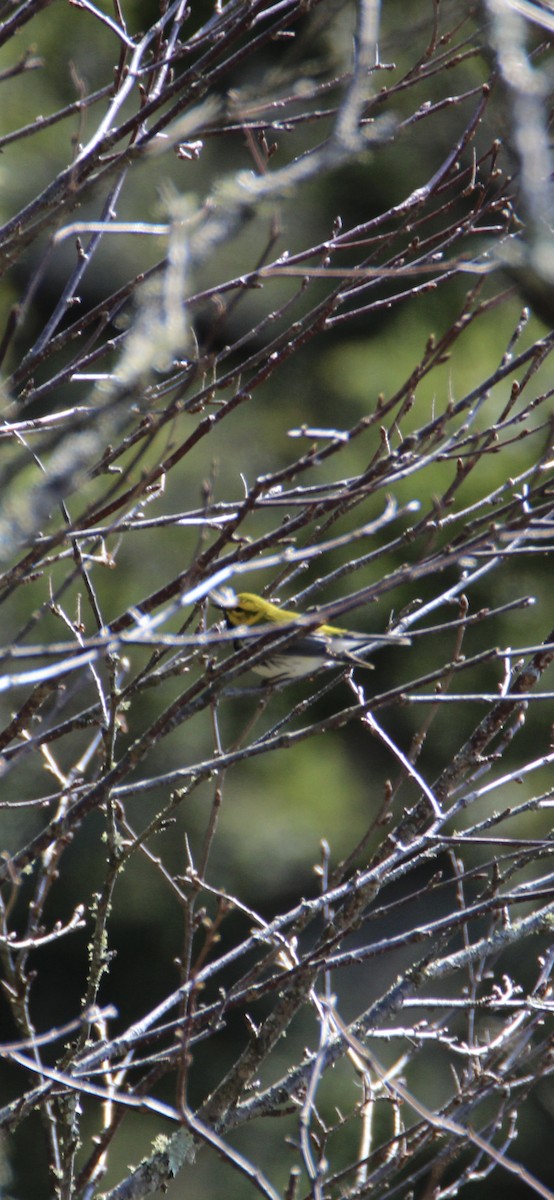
[(270, 311)]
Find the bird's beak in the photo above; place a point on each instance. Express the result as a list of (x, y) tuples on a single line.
[(223, 598)]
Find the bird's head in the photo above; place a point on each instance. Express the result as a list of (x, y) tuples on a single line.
[(248, 609)]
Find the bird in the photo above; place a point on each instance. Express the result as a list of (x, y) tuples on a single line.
[(323, 647)]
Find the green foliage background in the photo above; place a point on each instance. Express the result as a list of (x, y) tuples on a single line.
[(278, 808)]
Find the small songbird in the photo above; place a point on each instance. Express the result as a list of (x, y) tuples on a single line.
[(324, 646)]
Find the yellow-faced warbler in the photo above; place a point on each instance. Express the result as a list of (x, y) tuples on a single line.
[(324, 646)]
